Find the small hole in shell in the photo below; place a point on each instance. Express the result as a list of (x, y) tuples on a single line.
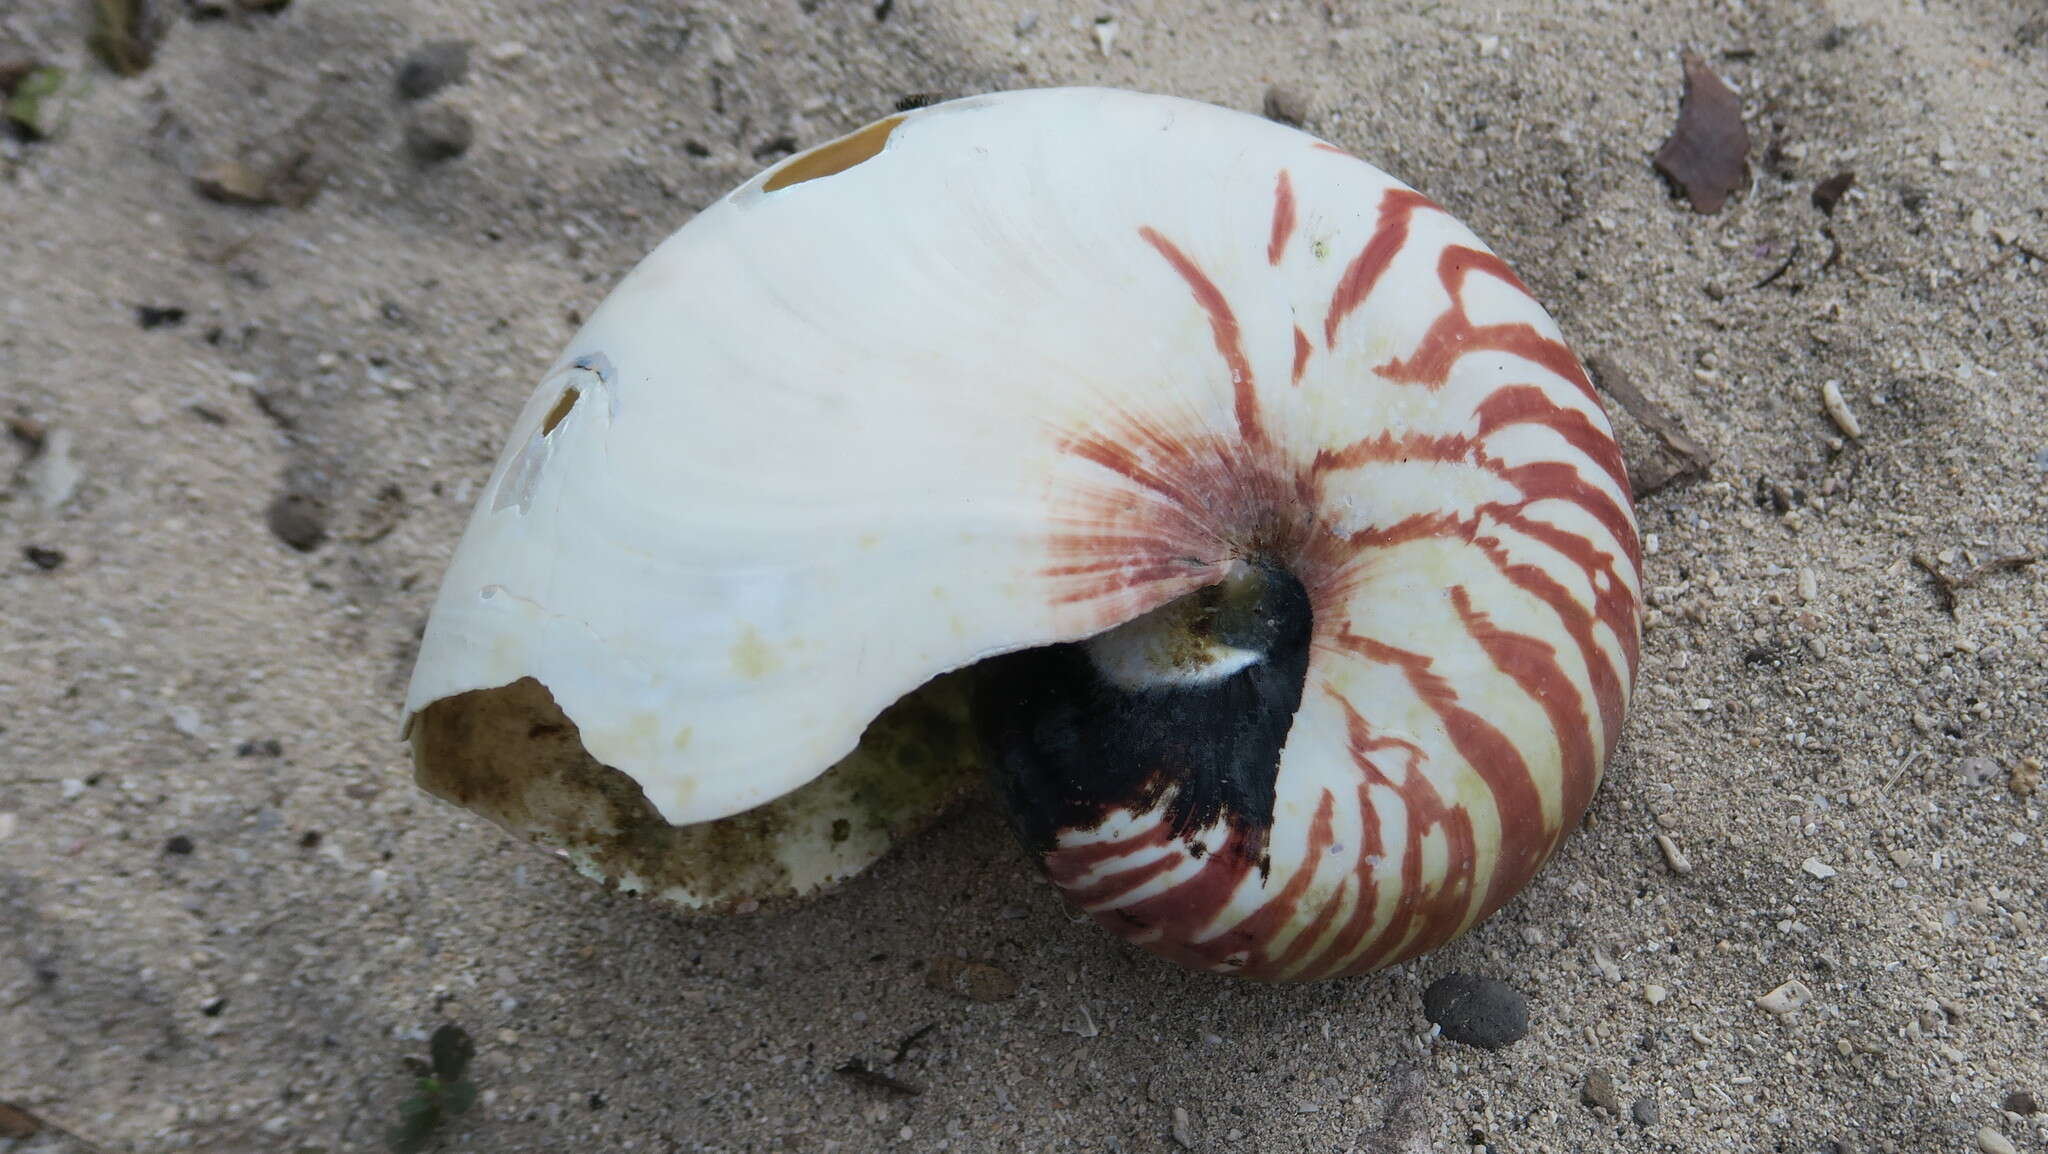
[(836, 157), (561, 411)]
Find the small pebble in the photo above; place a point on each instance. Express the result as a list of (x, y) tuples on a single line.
[(1287, 104), (186, 720), (1644, 1111), (1819, 868), (2026, 777), (178, 845), (52, 473), (438, 133), (7, 825), (298, 520), (1673, 856), (1106, 29), (1183, 1128), (1990, 1141), (431, 67), (232, 182), (1655, 994), (43, 558), (1838, 409), (1476, 1011), (1786, 998), (1979, 771), (1598, 1091), (159, 316), (721, 49), (1606, 965), (2018, 1102)]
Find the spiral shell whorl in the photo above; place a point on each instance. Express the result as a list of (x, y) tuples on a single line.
[(1474, 572)]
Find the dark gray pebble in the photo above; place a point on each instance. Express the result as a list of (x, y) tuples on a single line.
[(1644, 1111), (1287, 105), (431, 67), (1599, 1093), (1476, 1011), (439, 133), (298, 520)]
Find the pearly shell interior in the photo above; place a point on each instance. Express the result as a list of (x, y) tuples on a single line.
[(1008, 373)]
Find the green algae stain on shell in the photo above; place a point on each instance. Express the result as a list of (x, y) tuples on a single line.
[(511, 754)]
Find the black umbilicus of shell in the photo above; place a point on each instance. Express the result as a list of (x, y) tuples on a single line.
[(1189, 705)]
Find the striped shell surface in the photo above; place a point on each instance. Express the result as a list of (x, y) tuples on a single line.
[(1007, 373)]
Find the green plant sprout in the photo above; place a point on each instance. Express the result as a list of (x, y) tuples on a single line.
[(441, 1092)]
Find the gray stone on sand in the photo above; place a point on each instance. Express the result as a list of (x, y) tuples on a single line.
[(431, 67), (1477, 1011)]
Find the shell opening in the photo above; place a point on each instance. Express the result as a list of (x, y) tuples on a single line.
[(1181, 714), (511, 754), (1186, 708)]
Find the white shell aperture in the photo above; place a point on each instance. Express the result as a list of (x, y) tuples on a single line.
[(1010, 372)]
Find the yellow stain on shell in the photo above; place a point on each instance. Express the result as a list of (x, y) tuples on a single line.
[(752, 657), (563, 404), (835, 157)]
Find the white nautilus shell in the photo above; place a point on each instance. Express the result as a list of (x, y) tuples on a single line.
[(1226, 499)]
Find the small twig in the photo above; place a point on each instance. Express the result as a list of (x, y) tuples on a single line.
[(1693, 458), (1946, 586), (858, 1071), (2012, 564), (915, 1036), (1782, 269), (1903, 767), (18, 1121), (1834, 250)]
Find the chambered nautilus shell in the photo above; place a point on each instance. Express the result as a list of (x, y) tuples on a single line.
[(1223, 499)]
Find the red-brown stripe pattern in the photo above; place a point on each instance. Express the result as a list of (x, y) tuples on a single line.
[(1449, 736)]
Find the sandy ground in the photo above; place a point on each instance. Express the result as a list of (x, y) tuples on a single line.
[(183, 680)]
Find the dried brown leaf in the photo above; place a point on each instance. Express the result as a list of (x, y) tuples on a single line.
[(1707, 156), (1829, 193), (17, 1123)]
